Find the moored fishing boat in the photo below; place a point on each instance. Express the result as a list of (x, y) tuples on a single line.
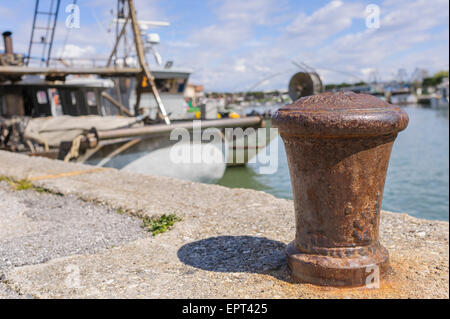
[(123, 115)]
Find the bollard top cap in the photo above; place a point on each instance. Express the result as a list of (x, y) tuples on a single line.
[(340, 114)]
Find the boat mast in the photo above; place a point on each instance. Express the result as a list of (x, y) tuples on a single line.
[(143, 62), (145, 70)]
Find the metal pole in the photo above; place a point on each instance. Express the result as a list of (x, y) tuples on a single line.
[(8, 42), (117, 104), (119, 95), (116, 45), (32, 32), (139, 79), (53, 33)]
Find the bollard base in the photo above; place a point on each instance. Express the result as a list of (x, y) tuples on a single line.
[(339, 272)]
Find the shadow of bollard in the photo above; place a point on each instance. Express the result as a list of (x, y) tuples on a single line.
[(237, 254)]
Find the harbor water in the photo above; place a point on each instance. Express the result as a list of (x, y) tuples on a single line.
[(418, 177)]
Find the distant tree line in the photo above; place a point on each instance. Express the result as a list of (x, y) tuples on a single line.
[(254, 94), (330, 87), (435, 80)]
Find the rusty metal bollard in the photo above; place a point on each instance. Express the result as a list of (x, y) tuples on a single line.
[(338, 147)]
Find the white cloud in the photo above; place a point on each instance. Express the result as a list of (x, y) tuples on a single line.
[(181, 44), (4, 11), (75, 52), (253, 42), (241, 60), (416, 15), (150, 10), (368, 71), (240, 66), (229, 35), (236, 22), (326, 39), (406, 38), (331, 19), (248, 12)]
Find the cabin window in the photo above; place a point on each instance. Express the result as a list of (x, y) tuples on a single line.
[(172, 86), (41, 97), (56, 102), (73, 98), (69, 100), (91, 99), (181, 86)]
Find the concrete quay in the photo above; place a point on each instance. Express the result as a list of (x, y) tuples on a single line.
[(80, 235)]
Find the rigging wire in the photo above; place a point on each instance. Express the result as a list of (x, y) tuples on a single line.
[(305, 67)]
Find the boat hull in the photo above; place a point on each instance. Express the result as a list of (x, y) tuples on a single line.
[(195, 160), (201, 152), (162, 157)]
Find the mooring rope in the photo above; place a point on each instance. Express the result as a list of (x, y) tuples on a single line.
[(74, 150)]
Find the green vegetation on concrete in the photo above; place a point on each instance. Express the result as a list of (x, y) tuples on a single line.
[(160, 225), (23, 184)]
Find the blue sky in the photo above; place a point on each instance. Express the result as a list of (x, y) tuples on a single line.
[(233, 44)]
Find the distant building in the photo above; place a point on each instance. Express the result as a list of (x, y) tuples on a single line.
[(194, 93)]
